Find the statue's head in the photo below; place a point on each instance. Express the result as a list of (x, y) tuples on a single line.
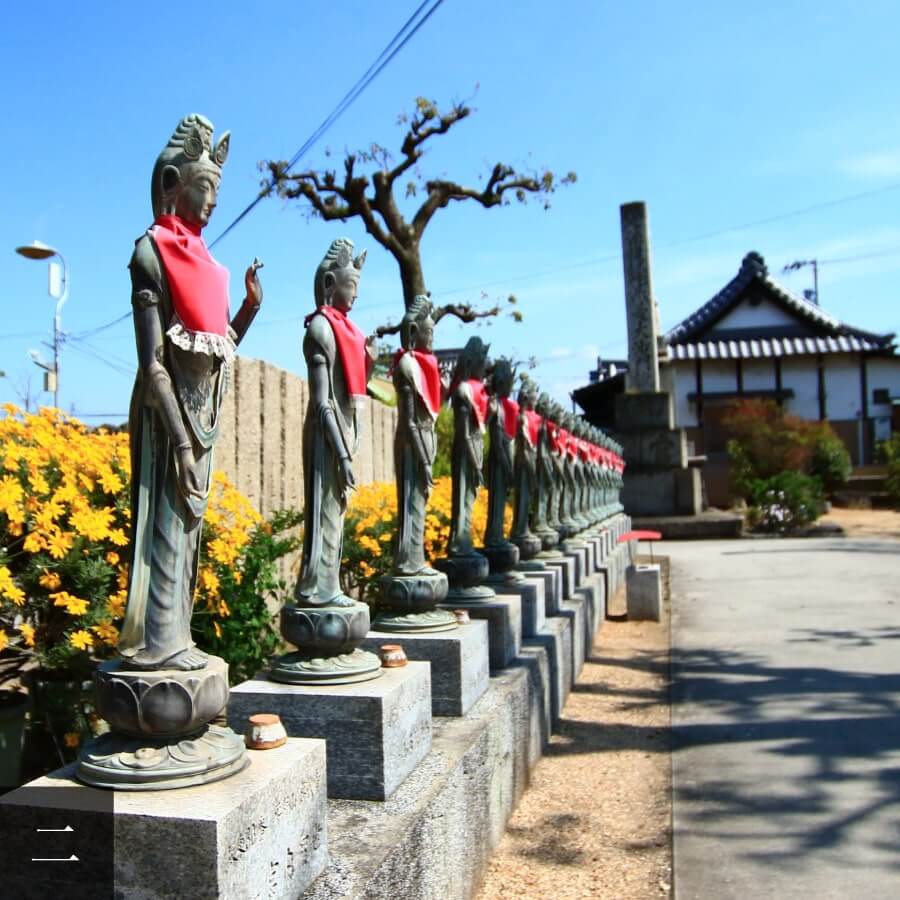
[(472, 360), (528, 392), (503, 375), (187, 173), (337, 278), (543, 404), (417, 326)]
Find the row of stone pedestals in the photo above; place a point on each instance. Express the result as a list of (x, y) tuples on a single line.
[(444, 745)]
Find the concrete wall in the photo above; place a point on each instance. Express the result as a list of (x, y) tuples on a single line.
[(799, 374), (260, 445)]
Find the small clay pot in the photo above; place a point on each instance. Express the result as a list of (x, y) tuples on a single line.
[(462, 616), (392, 656), (264, 732)]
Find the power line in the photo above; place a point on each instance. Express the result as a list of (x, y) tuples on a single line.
[(374, 70), (92, 331)]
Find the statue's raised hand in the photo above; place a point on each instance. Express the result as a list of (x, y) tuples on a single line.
[(371, 349), (252, 284)]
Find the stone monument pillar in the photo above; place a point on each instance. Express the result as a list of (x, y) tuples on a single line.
[(658, 481)]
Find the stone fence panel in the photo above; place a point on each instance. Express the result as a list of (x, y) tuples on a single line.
[(260, 446)]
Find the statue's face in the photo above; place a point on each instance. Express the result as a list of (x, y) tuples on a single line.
[(198, 194), (345, 289)]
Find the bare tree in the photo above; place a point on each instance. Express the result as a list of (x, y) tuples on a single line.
[(372, 197)]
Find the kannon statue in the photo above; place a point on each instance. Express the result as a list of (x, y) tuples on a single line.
[(503, 426), (163, 687), (528, 543), (325, 624), (413, 588), (466, 568)]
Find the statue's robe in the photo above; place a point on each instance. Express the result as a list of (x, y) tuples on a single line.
[(466, 459), (503, 427)]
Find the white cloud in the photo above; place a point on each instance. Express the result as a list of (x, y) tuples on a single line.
[(873, 165)]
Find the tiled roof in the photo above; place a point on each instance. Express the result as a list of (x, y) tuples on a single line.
[(753, 268), (764, 348)]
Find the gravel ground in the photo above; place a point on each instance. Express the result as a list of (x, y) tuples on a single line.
[(866, 522), (596, 819)]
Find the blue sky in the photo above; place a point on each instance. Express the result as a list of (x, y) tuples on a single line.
[(716, 115)]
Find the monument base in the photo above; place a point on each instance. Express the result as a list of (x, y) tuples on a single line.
[(346, 668), (504, 617), (434, 620), (377, 732), (262, 831)]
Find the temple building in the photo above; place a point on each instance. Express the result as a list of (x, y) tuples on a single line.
[(755, 338)]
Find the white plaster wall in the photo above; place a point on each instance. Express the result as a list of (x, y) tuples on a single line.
[(759, 374), (883, 373), (842, 394), (719, 375), (798, 373), (684, 382), (745, 315)]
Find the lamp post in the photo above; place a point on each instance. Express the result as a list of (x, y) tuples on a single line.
[(58, 287)]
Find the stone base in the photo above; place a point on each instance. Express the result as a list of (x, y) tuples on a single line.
[(644, 590), (556, 641), (464, 571), (263, 831), (414, 623), (347, 668), (504, 617), (531, 592), (462, 596), (376, 732), (532, 565), (566, 566), (501, 557), (552, 581), (529, 546), (127, 763), (459, 663)]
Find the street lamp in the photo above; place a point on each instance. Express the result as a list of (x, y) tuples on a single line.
[(58, 287)]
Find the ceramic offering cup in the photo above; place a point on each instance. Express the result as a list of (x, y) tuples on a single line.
[(264, 732), (462, 616), (392, 656)]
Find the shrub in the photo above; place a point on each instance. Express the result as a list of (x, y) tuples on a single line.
[(767, 441), (889, 454), (785, 502), (64, 522)]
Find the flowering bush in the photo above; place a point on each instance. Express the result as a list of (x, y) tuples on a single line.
[(372, 521), (64, 524)]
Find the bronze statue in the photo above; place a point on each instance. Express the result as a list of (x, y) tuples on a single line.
[(465, 567), (324, 624), (413, 589), (544, 483), (526, 472), (164, 688), (503, 427)]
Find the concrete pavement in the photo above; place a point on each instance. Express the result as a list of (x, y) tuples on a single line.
[(786, 719)]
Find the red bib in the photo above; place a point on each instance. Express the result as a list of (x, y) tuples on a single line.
[(479, 397), (534, 426), (351, 344), (197, 283), (510, 413), (429, 385)]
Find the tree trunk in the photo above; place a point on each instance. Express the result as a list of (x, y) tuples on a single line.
[(411, 276)]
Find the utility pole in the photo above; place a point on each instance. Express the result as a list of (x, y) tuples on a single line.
[(801, 263)]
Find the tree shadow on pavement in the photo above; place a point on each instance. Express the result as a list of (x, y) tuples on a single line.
[(837, 736)]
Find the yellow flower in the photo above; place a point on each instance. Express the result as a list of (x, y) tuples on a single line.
[(218, 629), (9, 588), (112, 558), (223, 609), (81, 639), (34, 543), (107, 632), (4, 640), (71, 739), (59, 544), (27, 632), (115, 604), (73, 605)]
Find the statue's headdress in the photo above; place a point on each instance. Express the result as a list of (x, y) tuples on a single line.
[(338, 258), (190, 144), (420, 308)]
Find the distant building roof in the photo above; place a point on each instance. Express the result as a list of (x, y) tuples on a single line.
[(754, 274), (763, 348)]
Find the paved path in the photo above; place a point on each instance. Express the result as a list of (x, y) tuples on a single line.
[(786, 717)]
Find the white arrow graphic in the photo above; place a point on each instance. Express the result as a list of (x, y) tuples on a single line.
[(67, 828), (72, 858)]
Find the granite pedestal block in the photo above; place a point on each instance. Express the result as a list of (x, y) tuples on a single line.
[(531, 590), (644, 591), (376, 732), (459, 662), (556, 640), (504, 617), (567, 569), (261, 832), (575, 608), (593, 592), (552, 581)]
